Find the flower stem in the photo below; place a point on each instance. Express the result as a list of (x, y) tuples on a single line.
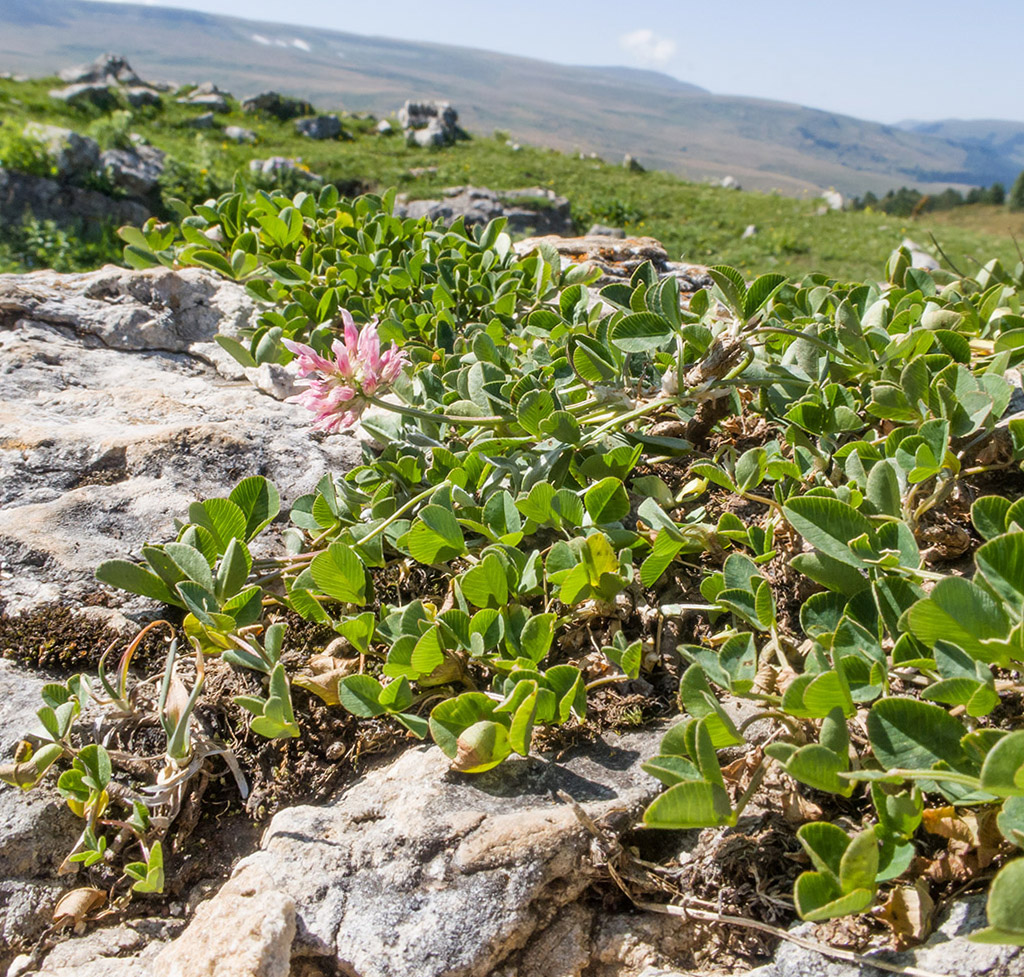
[(436, 417)]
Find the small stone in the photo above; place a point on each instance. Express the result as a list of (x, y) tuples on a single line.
[(239, 134), (319, 127)]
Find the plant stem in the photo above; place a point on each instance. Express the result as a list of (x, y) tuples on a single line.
[(436, 416), (633, 415)]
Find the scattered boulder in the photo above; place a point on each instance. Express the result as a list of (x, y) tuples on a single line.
[(239, 134), (46, 199), (729, 183), (277, 105), (136, 171), (74, 155), (107, 69), (535, 209), (275, 166), (139, 95), (385, 128), (430, 124), (204, 121), (208, 96), (100, 82), (618, 258), (79, 96), (603, 230), (632, 164), (319, 127), (111, 378), (748, 232)]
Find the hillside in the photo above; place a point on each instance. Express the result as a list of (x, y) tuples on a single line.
[(666, 123)]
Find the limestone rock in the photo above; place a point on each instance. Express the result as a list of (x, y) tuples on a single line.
[(36, 828), (319, 127), (107, 69), (430, 123), (618, 258), (246, 931), (86, 94), (385, 128), (204, 121), (534, 209), (140, 95), (946, 951), (418, 872), (603, 230), (117, 410), (239, 134), (47, 199), (74, 155), (277, 105), (136, 171), (276, 165)]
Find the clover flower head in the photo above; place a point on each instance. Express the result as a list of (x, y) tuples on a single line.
[(339, 389)]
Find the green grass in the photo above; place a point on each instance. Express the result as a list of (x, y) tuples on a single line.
[(698, 223)]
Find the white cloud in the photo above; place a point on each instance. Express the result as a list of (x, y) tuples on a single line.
[(645, 46), (301, 45), (260, 39)]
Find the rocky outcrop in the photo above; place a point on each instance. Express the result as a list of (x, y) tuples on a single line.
[(276, 166), (75, 156), (117, 410), (107, 69), (36, 829), (618, 257), (22, 194), (418, 872), (136, 171), (534, 210), (103, 82), (207, 96), (430, 124), (277, 105), (319, 127), (946, 951), (239, 134)]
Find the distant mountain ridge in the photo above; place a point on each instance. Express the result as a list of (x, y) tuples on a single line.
[(664, 122)]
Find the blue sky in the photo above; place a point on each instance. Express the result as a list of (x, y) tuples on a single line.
[(878, 60)]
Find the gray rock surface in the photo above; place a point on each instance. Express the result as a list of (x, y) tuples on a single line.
[(36, 828), (319, 127), (277, 105), (430, 123), (246, 931), (239, 134), (74, 155), (947, 952), (603, 230), (107, 69), (136, 171), (46, 199), (117, 410), (140, 95), (418, 871), (533, 209), (85, 94), (277, 165), (618, 258), (204, 121)]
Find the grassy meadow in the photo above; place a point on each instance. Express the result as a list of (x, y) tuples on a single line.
[(696, 222)]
